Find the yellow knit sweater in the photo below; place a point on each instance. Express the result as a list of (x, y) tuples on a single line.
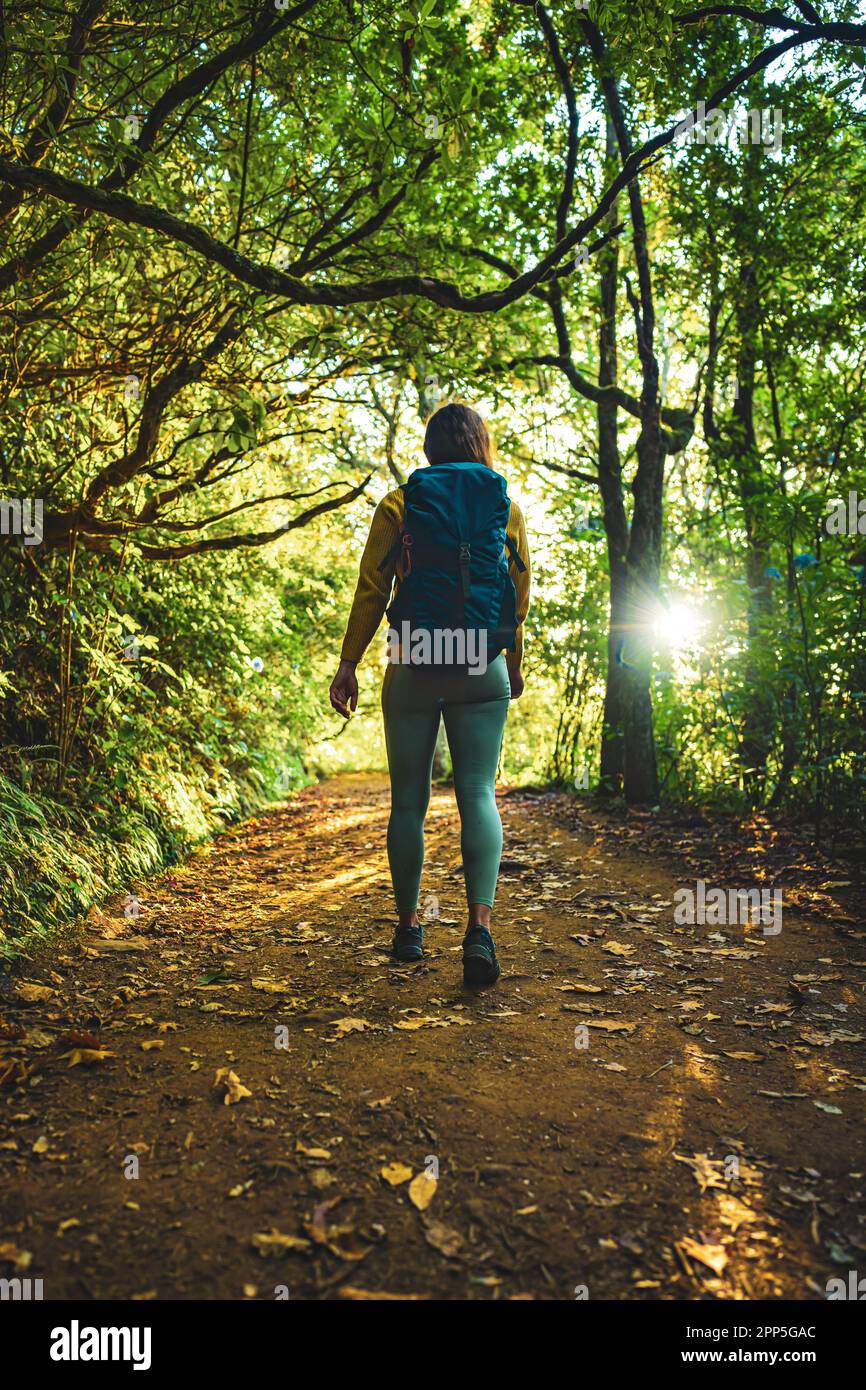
[(373, 592)]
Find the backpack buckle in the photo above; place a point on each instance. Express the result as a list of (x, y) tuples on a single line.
[(406, 557), (464, 561)]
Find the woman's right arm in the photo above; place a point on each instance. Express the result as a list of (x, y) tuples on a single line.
[(514, 658), (372, 593)]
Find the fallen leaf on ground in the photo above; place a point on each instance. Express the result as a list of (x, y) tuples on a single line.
[(424, 1022), (321, 1154), (322, 1178), (447, 1241), (13, 1071), (713, 1256), (395, 1173), (733, 1212), (374, 1295), (30, 993), (86, 1056), (422, 1190), (706, 1170), (342, 1240), (274, 1242), (76, 1038), (231, 1084), (11, 1255), (350, 1025), (99, 921)]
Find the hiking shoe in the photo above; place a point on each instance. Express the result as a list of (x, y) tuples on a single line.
[(408, 943), (480, 966)]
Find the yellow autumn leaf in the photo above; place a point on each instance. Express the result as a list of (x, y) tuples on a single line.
[(374, 1296), (426, 1021), (321, 1154), (274, 1242), (234, 1088), (33, 994), (86, 1056), (11, 1254), (422, 1190), (708, 1172), (713, 1256), (395, 1173)]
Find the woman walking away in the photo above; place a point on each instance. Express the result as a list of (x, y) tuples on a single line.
[(453, 546)]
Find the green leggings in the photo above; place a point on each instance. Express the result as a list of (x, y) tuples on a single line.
[(474, 709)]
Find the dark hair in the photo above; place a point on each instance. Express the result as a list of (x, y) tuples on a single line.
[(457, 434)]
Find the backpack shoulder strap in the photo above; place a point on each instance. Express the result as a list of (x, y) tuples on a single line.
[(395, 549), (514, 554)]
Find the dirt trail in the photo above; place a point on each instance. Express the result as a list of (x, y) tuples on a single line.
[(706, 1142)]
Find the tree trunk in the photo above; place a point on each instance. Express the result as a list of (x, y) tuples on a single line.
[(615, 521), (612, 766), (644, 560), (758, 716), (640, 778)]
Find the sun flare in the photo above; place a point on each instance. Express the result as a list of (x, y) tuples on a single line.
[(679, 625)]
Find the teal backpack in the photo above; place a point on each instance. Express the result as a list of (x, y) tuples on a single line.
[(450, 557)]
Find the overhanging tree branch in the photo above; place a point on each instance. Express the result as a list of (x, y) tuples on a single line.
[(768, 19), (248, 539), (271, 281), (45, 130), (265, 28)]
